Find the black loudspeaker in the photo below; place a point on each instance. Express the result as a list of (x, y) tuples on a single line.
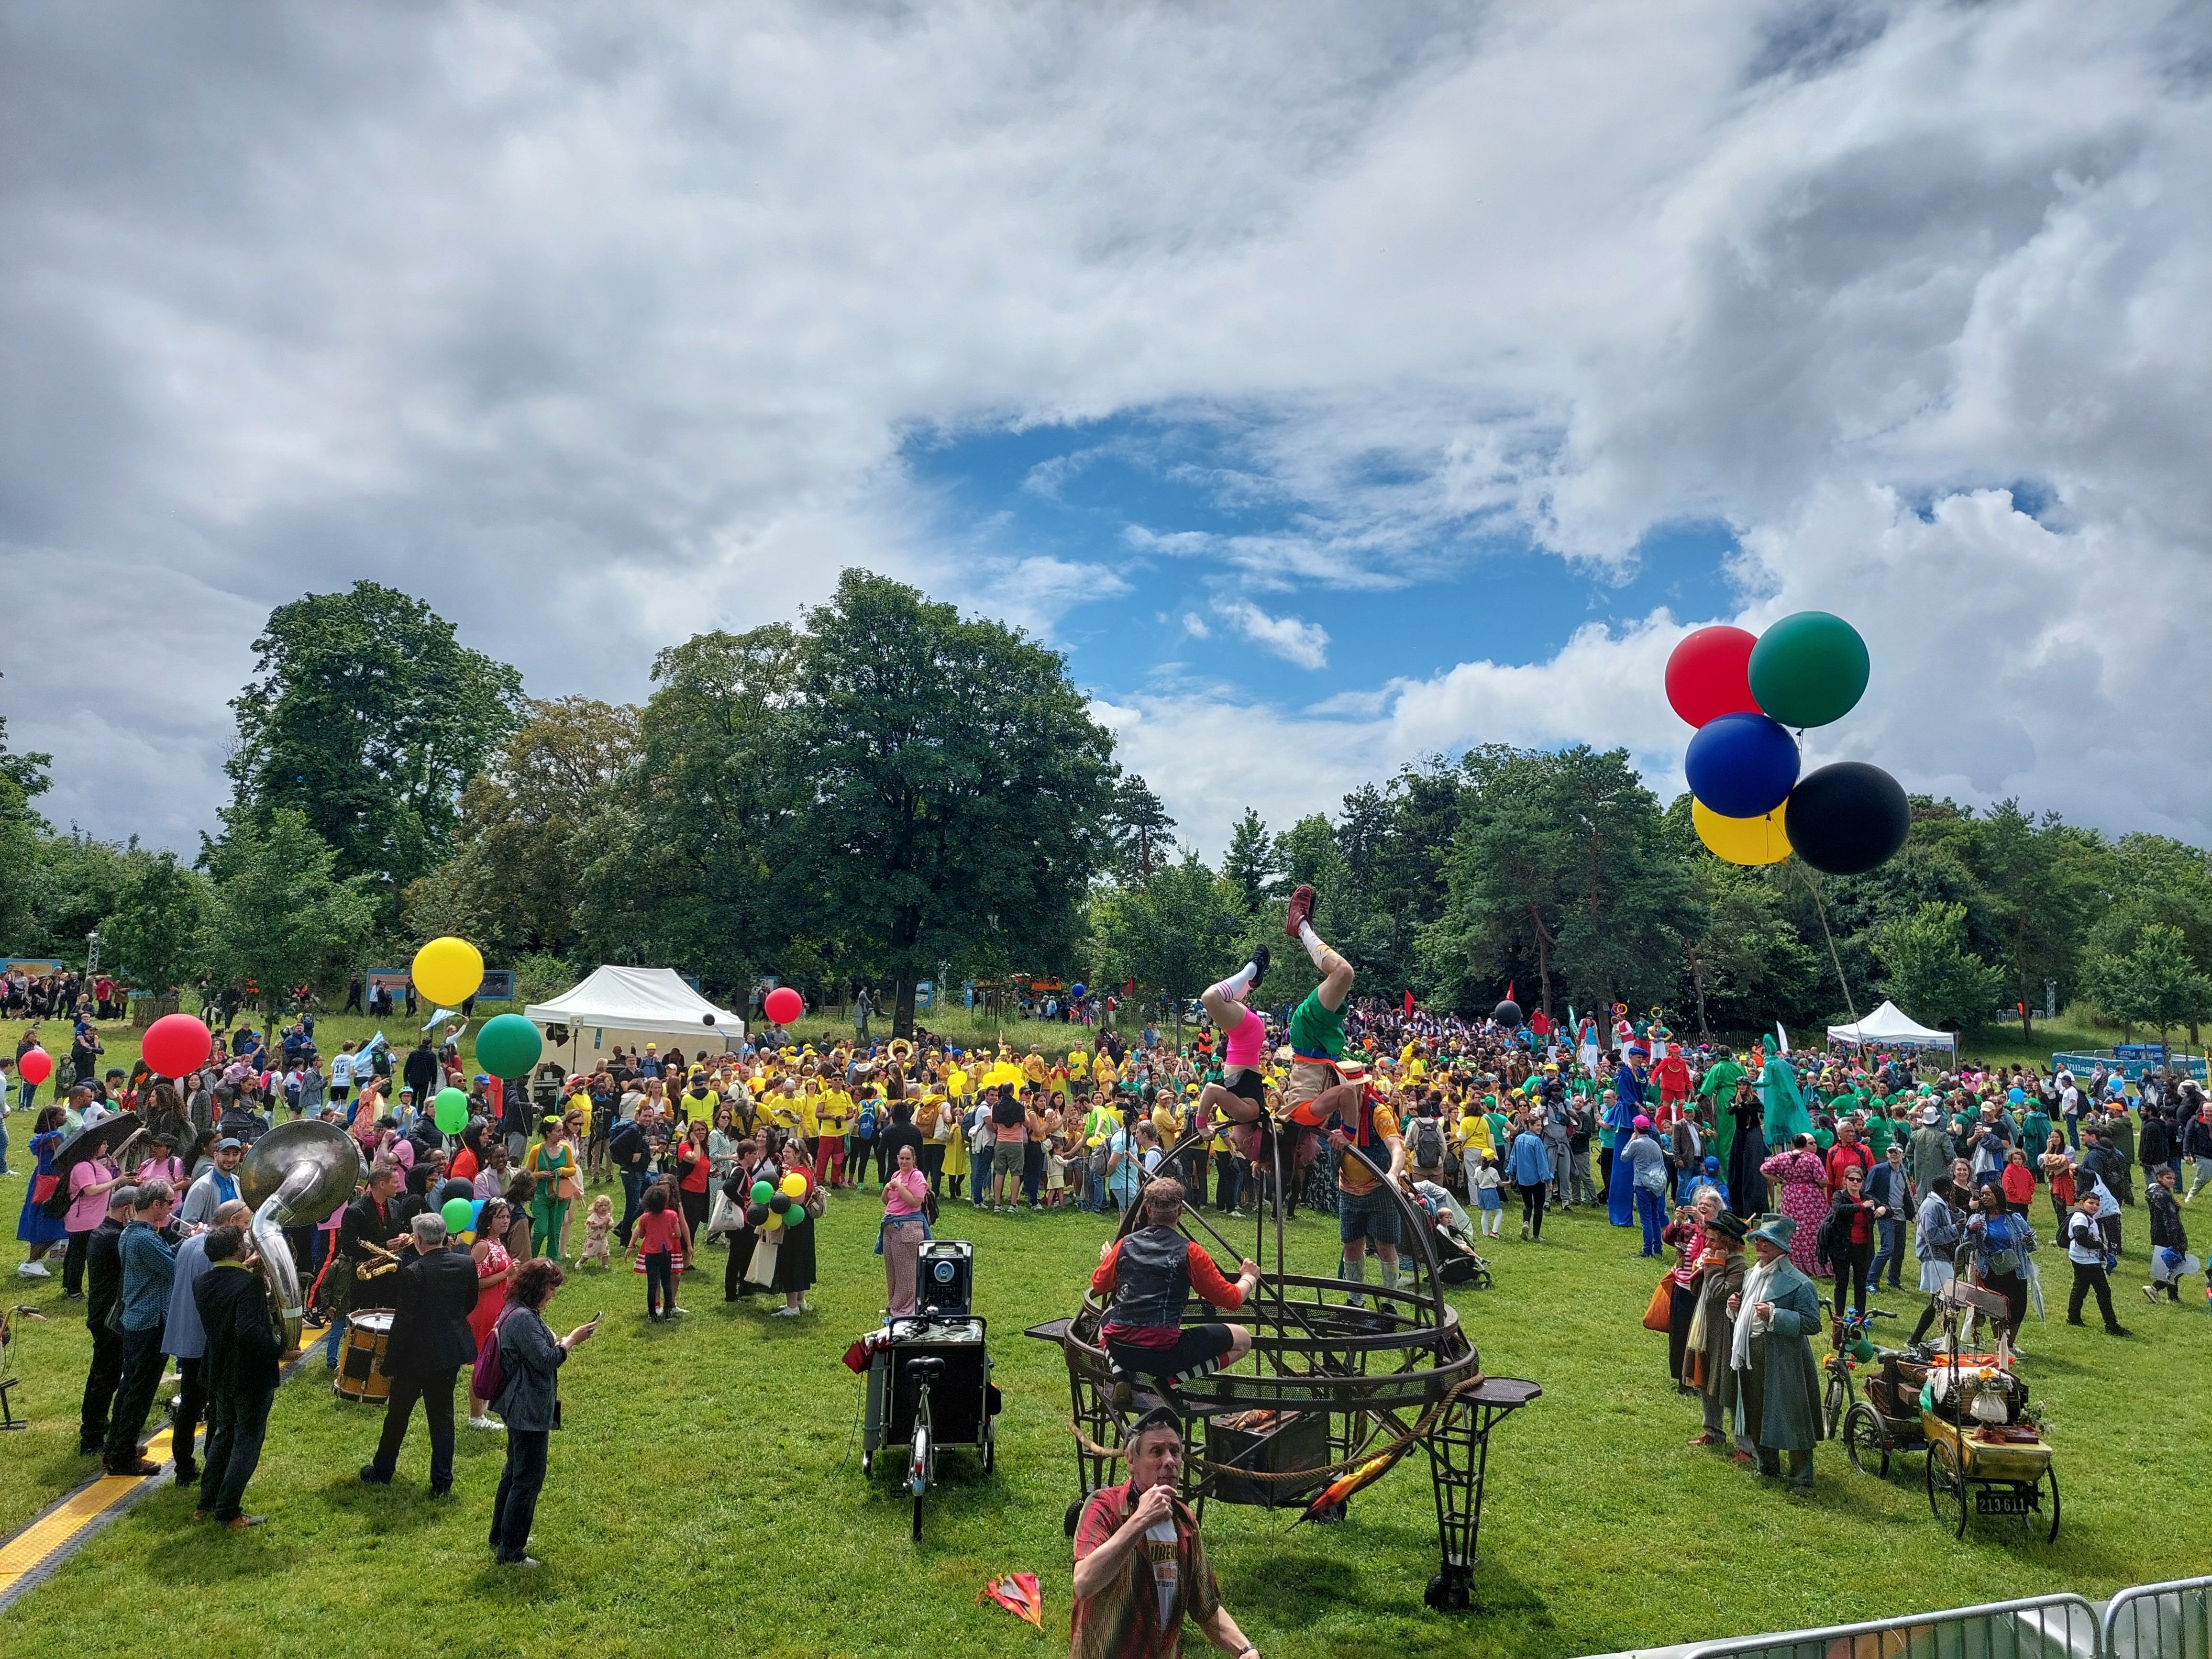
[(947, 1277)]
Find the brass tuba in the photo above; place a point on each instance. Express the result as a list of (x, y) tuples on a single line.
[(293, 1176)]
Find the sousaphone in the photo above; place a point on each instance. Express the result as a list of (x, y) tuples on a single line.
[(293, 1176)]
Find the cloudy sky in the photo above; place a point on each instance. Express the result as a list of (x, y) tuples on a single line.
[(1336, 384)]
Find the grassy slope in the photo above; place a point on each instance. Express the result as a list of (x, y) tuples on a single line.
[(707, 1493)]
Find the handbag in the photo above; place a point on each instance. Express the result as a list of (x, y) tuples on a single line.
[(761, 1270), (1659, 1316), (725, 1216)]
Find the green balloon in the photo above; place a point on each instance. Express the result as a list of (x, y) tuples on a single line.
[(1808, 669), (459, 1212), (763, 1192), (793, 1214), (450, 1111), (509, 1046)]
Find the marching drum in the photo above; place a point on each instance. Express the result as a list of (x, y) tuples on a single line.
[(360, 1373)]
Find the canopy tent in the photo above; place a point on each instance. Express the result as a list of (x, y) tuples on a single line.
[(1890, 1027), (631, 1005)]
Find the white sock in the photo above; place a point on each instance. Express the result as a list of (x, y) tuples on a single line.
[(1315, 948), (1235, 986)]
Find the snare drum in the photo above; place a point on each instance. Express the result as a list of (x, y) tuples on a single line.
[(361, 1374)]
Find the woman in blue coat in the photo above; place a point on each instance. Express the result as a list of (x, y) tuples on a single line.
[(1528, 1167), (1620, 1180), (34, 1227)]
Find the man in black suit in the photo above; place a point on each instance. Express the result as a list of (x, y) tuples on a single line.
[(245, 1347), (431, 1298)]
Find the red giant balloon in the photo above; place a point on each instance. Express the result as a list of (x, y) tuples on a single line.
[(1708, 674), (36, 1064), (784, 1005), (175, 1044)]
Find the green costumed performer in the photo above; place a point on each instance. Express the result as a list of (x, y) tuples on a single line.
[(1786, 1116)]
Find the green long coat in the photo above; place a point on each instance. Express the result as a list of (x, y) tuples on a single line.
[(1788, 1383)]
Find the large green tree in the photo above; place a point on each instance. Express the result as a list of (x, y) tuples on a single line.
[(518, 876), (368, 717), (280, 912), (154, 935), (1140, 828), (2038, 880), (2152, 982), (22, 778), (693, 850), (1252, 864), (1176, 933), (1563, 862), (959, 790), (1931, 974)]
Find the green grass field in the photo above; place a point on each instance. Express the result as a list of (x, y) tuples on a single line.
[(706, 1493)]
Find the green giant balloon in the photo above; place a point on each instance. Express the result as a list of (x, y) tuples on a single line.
[(509, 1046), (458, 1214), (450, 1112), (1808, 669)]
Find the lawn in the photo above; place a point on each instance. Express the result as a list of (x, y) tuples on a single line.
[(707, 1492)]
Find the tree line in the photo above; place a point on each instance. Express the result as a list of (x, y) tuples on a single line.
[(887, 791)]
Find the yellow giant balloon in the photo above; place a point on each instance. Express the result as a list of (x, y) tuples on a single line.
[(1741, 841), (448, 970), (794, 1185)]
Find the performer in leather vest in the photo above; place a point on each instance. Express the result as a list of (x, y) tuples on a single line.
[(1150, 1274)]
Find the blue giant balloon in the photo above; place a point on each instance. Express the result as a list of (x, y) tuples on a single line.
[(1076, 990), (1742, 766)]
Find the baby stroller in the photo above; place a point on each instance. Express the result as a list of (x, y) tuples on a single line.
[(1458, 1262)]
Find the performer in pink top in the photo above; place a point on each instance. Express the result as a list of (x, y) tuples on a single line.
[(1241, 1095)]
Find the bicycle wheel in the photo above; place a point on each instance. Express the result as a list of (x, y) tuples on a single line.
[(1947, 1483), (1866, 1442), (919, 1464), (1836, 1399)]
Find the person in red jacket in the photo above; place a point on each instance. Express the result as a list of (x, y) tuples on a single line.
[(1150, 1274), (1848, 1152)]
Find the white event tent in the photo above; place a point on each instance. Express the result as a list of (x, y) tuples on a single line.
[(1889, 1026), (631, 1007)]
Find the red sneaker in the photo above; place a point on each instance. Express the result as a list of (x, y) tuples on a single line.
[(1302, 904)]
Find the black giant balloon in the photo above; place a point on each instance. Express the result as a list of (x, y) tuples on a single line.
[(1507, 1013), (756, 1214), (1846, 819)]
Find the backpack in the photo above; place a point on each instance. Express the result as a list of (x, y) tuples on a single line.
[(491, 1376), (1428, 1143), (1834, 1236), (865, 1128)]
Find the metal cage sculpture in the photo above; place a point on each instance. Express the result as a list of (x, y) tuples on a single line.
[(1330, 1397)]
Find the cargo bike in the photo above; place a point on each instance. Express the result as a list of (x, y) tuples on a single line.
[(1969, 1413), (929, 1378)]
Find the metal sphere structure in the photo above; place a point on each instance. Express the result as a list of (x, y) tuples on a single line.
[(1331, 1396)]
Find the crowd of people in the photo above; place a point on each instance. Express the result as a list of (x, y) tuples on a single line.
[(1772, 1189)]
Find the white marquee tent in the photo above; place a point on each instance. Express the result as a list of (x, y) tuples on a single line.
[(631, 1007), (1890, 1027)]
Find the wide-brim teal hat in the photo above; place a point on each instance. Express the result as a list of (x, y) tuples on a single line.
[(1776, 1230)]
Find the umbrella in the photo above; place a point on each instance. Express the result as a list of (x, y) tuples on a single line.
[(95, 1140)]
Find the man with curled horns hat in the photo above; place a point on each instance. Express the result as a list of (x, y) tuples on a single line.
[(1778, 1387)]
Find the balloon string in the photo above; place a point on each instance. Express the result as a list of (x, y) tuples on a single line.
[(1820, 910)]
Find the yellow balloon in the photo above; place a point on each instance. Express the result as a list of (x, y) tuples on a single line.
[(1741, 841), (794, 1186), (448, 970)]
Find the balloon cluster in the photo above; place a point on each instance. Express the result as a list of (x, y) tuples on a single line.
[(779, 1204), (1742, 693)]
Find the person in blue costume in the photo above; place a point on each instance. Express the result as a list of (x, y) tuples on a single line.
[(1620, 1179)]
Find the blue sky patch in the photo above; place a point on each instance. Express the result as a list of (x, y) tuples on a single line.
[(1217, 576)]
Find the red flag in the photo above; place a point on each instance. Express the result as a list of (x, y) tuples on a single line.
[(1509, 997), (1017, 1593), (1409, 1002)]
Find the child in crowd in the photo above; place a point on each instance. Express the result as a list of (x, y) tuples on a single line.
[(653, 1245), (1488, 1197), (598, 1222)]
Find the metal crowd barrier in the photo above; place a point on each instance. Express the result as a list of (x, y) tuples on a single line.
[(2160, 1621), (2034, 1627)]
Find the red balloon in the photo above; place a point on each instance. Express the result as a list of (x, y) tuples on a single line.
[(175, 1044), (36, 1064), (1708, 674), (784, 1005)]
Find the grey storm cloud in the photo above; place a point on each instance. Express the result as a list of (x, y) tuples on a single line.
[(597, 326)]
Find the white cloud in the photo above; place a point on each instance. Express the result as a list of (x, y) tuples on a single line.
[(1303, 643), (596, 327), (1195, 625)]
